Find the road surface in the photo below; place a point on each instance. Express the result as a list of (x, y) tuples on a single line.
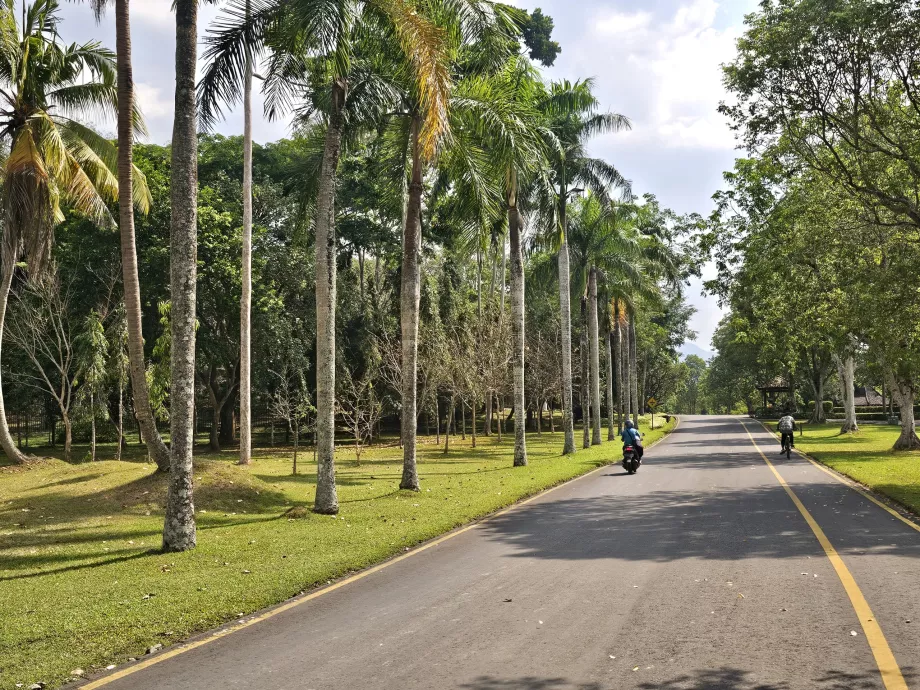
[(698, 572)]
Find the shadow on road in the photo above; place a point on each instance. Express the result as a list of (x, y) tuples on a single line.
[(663, 526), (706, 679)]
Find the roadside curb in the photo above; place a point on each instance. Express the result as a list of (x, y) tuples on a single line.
[(202, 638), (886, 503)]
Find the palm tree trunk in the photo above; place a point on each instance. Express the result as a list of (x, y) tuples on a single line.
[(155, 446), (6, 438), (179, 532), (565, 314), (517, 327), (585, 395), (595, 362), (246, 298), (633, 374), (409, 309), (611, 433), (327, 502)]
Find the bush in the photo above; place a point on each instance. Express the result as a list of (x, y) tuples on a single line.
[(828, 408)]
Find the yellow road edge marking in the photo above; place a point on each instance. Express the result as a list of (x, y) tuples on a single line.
[(847, 481), (884, 657), (227, 630)]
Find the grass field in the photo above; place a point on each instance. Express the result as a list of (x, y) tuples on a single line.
[(867, 457), (83, 586)]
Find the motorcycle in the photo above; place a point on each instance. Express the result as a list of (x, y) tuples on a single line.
[(631, 460)]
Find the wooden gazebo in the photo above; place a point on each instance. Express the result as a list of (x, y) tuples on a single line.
[(770, 390)]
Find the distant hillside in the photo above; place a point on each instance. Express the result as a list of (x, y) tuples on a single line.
[(694, 349)]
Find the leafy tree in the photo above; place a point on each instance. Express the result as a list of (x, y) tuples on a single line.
[(52, 158)]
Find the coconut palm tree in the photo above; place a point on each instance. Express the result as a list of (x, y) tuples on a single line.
[(461, 24), (319, 66), (127, 123), (571, 114), (53, 159)]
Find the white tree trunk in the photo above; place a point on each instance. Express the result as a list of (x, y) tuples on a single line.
[(92, 430), (6, 439), (565, 314), (611, 428), (179, 533), (410, 296), (246, 297), (517, 330), (633, 374), (904, 393), (594, 361), (846, 368)]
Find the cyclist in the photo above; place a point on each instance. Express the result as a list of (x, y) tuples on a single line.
[(786, 428), (632, 437)]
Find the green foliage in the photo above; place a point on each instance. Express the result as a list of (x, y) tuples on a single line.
[(537, 31)]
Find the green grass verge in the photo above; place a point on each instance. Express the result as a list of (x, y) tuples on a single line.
[(866, 456), (82, 584)]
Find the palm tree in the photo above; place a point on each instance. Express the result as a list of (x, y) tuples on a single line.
[(500, 111), (127, 123), (53, 159), (571, 115), (316, 59), (424, 117), (179, 533), (605, 249)]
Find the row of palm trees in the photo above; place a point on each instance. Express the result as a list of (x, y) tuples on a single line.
[(462, 112), (446, 82)]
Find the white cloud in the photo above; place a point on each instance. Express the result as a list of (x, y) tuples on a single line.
[(671, 72), (154, 103), (148, 13), (617, 23)]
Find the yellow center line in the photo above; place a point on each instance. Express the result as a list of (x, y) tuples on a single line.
[(253, 620), (847, 482), (884, 658)]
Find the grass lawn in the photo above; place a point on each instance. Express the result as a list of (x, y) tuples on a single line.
[(82, 584), (867, 457)]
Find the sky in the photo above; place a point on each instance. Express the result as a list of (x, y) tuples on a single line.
[(655, 61)]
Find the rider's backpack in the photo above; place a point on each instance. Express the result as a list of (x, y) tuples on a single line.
[(785, 424)]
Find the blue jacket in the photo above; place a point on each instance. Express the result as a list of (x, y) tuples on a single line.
[(631, 437)]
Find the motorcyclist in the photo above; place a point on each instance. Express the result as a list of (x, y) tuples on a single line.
[(786, 428), (632, 437)]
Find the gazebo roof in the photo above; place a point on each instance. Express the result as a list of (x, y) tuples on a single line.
[(777, 385)]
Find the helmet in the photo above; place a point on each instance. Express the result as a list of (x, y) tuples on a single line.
[(629, 424)]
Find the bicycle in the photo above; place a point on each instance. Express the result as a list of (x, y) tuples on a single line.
[(786, 445)]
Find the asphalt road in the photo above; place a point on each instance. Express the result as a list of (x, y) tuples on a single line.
[(698, 572)]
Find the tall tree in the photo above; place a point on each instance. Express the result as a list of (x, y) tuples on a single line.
[(128, 124), (53, 159), (571, 113), (179, 532), (317, 60), (246, 296)]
